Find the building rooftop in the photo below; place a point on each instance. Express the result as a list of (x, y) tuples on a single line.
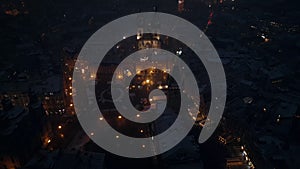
[(66, 159), (11, 116), (286, 110)]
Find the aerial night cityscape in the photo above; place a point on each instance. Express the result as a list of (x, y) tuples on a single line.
[(49, 84)]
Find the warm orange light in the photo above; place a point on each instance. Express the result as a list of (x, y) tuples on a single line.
[(70, 78), (120, 76), (119, 117), (267, 40), (59, 127)]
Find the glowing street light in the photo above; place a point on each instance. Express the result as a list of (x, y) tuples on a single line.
[(120, 77), (179, 52)]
